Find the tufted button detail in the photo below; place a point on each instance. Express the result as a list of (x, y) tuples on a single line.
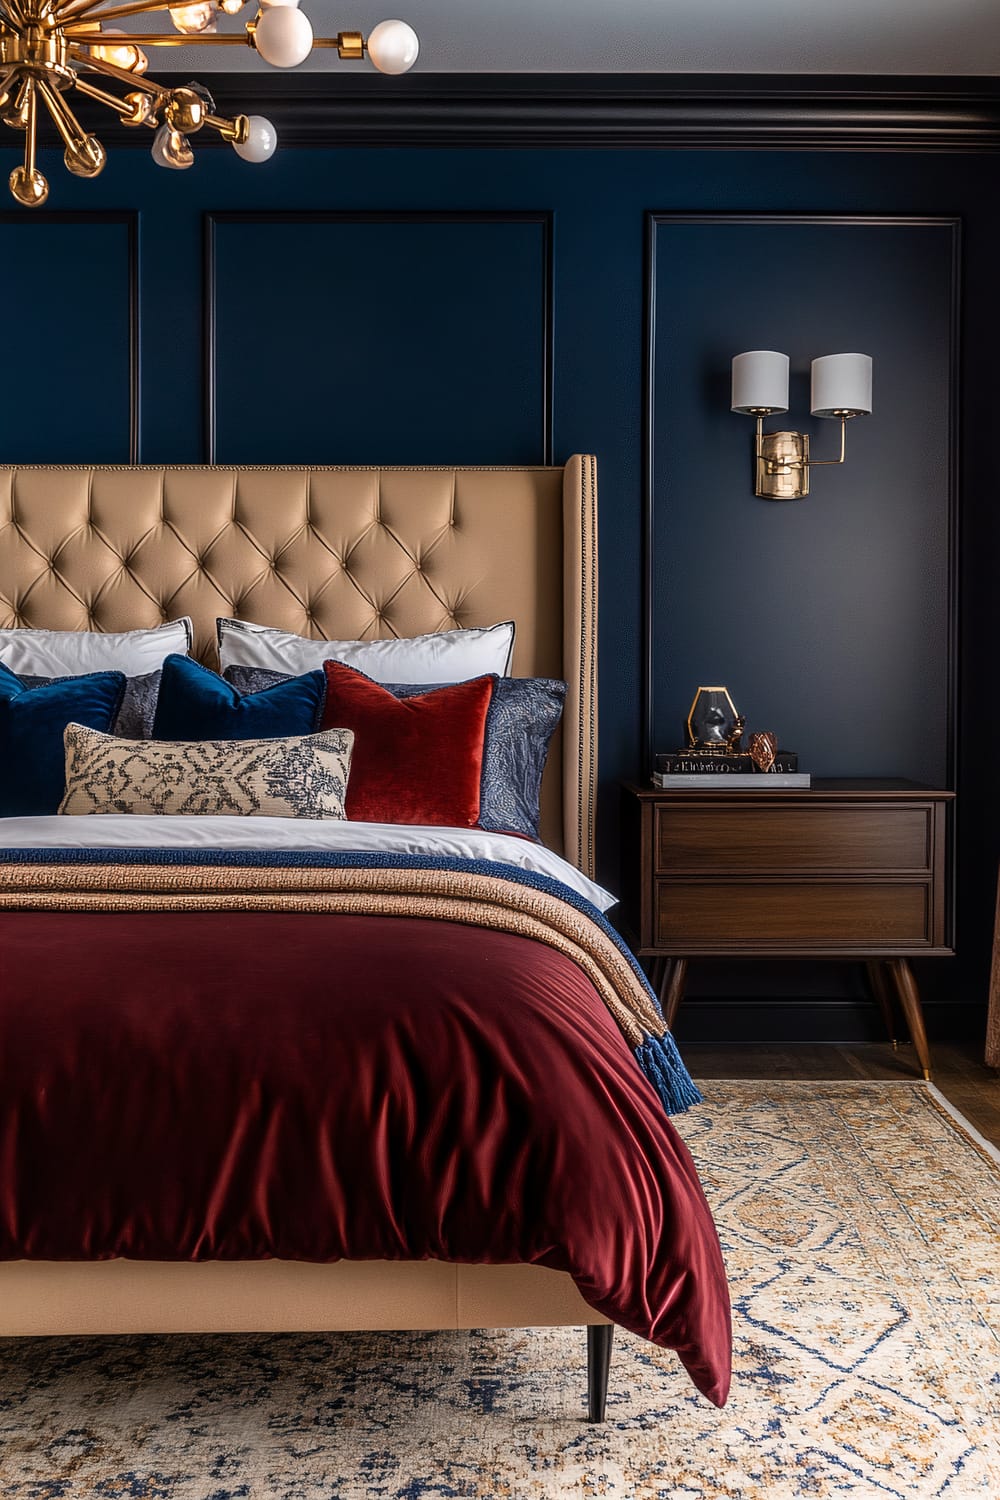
[(269, 536)]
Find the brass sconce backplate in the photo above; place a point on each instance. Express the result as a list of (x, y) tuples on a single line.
[(782, 466)]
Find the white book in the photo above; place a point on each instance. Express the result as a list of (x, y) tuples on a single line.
[(761, 781)]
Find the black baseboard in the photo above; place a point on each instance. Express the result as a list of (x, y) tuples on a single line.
[(747, 1019)]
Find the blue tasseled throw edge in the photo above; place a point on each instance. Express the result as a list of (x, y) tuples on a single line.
[(657, 1056), (660, 1060)]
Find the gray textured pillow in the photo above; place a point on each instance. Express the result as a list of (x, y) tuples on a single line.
[(523, 715), (138, 706), (301, 776)]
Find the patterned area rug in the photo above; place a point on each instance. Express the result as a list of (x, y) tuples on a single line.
[(861, 1227)]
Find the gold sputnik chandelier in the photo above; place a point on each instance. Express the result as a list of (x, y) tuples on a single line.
[(48, 48)]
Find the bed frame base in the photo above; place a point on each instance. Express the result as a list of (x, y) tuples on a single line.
[(66, 1298)]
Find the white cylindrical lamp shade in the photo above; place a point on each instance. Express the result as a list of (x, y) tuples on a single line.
[(760, 381), (842, 384)]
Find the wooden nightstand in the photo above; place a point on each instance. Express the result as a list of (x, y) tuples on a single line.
[(842, 870)]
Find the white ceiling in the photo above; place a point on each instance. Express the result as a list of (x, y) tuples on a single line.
[(648, 36)]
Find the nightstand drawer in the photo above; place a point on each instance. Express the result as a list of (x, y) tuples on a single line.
[(795, 839), (689, 915)]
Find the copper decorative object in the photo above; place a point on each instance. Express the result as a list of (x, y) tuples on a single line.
[(763, 749)]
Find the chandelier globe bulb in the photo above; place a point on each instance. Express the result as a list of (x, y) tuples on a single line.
[(393, 46), (171, 149), (261, 141), (283, 36), (230, 7), (278, 4)]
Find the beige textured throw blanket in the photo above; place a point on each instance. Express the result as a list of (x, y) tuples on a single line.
[(441, 894)]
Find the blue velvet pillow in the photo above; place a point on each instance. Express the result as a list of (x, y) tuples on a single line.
[(522, 718), (134, 720), (197, 704), (32, 721)]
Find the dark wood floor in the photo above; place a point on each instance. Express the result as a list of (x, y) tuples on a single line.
[(959, 1071)]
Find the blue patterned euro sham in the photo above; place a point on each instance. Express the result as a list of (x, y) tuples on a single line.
[(523, 716)]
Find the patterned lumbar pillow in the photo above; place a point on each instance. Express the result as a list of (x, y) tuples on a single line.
[(299, 776)]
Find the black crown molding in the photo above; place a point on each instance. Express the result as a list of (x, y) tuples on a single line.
[(638, 111)]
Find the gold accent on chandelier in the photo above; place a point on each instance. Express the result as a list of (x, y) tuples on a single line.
[(48, 48)]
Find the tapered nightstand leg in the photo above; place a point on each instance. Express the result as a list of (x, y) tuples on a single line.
[(883, 999), (656, 973), (672, 988), (909, 999)]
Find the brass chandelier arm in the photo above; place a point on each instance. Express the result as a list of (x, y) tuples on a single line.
[(231, 130), (102, 96), (63, 117), (177, 39), (31, 129), (65, 13), (166, 39), (134, 80)]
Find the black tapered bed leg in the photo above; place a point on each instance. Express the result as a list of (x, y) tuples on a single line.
[(600, 1337)]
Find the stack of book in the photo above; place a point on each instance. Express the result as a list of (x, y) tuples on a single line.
[(700, 768)]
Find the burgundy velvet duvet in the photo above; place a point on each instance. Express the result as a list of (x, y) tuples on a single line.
[(208, 1085)]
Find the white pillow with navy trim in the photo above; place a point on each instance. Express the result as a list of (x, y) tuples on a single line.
[(70, 653), (445, 656)]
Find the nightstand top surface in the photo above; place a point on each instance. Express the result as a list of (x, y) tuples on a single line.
[(856, 788)]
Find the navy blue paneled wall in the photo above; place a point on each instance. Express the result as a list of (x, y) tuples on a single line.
[(837, 634), (441, 306)]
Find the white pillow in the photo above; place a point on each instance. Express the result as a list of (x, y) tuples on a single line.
[(68, 653), (446, 656)]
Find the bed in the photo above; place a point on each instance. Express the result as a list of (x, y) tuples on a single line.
[(332, 554)]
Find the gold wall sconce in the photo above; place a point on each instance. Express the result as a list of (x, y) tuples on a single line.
[(841, 387)]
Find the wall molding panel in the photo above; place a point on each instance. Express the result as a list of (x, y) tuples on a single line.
[(474, 288), (655, 298), (93, 333)]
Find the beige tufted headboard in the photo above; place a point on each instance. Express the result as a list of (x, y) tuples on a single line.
[(333, 553)]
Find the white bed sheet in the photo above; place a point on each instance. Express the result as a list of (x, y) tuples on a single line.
[(114, 831)]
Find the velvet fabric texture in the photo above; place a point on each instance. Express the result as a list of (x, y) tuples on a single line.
[(134, 719), (32, 723), (197, 704), (523, 716), (416, 760), (318, 1086)]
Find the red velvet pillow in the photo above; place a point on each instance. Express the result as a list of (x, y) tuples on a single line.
[(415, 760)]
